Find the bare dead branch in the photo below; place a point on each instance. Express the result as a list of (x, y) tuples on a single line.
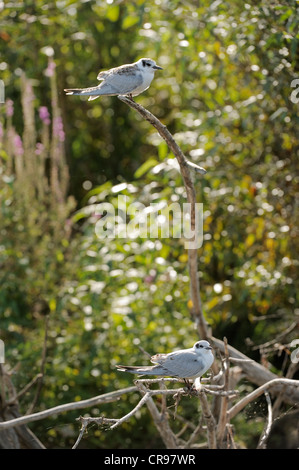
[(292, 369), (264, 437), (238, 360), (209, 419), (272, 384), (193, 436), (24, 390), (160, 420), (196, 168), (82, 431), (85, 421), (230, 438), (259, 375), (160, 417), (100, 399), (278, 338), (22, 436), (132, 412), (224, 401)]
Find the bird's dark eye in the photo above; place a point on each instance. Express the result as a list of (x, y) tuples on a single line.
[(145, 64), (199, 346)]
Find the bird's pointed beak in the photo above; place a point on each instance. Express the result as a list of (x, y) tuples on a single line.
[(157, 67)]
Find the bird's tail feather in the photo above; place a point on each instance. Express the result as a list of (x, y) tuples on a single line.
[(141, 370), (92, 92)]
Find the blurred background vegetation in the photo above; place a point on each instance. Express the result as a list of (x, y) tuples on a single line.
[(227, 94)]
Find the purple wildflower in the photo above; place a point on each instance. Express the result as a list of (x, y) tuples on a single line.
[(18, 146), (44, 115), (58, 128), (49, 72), (9, 108), (39, 148)]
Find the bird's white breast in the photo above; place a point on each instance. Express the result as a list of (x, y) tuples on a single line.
[(147, 79)]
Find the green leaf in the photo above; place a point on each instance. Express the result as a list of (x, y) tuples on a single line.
[(130, 21), (101, 190), (113, 13), (162, 150), (145, 167)]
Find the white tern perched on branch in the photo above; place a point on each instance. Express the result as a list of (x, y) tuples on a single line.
[(128, 79), (184, 363)]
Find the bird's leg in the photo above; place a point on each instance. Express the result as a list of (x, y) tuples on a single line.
[(188, 384), (191, 390), (130, 96)]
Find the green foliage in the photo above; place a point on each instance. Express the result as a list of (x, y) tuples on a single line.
[(225, 94), (35, 229)]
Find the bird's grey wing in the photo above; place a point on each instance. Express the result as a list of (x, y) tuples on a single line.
[(126, 68), (186, 364), (121, 83), (102, 75), (161, 358)]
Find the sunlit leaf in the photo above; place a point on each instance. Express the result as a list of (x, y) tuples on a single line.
[(150, 163), (129, 21), (113, 13)]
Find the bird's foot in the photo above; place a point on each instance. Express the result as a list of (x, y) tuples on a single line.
[(189, 386), (192, 388)]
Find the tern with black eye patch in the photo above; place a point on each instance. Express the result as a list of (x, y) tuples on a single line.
[(128, 80), (184, 363)]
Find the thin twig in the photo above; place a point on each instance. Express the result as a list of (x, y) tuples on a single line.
[(196, 168), (222, 393), (24, 390), (193, 436), (2, 385), (164, 402), (132, 412), (160, 420), (209, 419), (224, 402), (292, 369), (85, 421), (230, 437), (144, 352), (259, 391), (100, 399), (239, 360), (259, 375), (82, 431), (158, 380), (264, 437), (278, 338)]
